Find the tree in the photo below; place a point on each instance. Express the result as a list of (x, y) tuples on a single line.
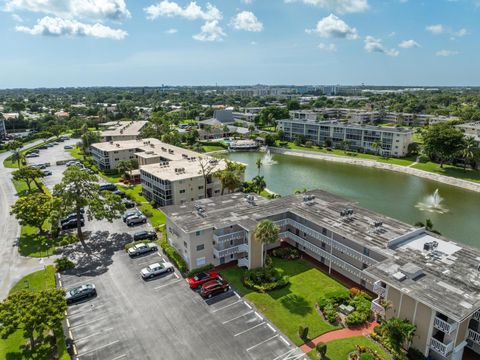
[(321, 349), (231, 176), (127, 166), (469, 151), (259, 184), (56, 130), (442, 142), (15, 147), (33, 210), (78, 189), (266, 232), (377, 146), (88, 138), (33, 312), (398, 331), (30, 175), (259, 165)]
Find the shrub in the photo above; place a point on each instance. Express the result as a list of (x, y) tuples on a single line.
[(303, 332), (147, 213), (174, 256), (356, 318), (354, 292), (366, 356), (321, 349), (415, 354), (264, 279), (203, 268), (286, 253), (330, 313), (423, 159), (338, 297), (63, 263)]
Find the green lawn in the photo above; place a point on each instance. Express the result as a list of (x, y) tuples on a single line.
[(208, 148), (339, 349), (294, 305), (135, 193), (450, 170), (11, 347)]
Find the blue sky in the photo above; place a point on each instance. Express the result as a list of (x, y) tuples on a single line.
[(52, 43)]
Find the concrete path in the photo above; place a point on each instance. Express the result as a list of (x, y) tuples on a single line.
[(338, 334), (13, 266)]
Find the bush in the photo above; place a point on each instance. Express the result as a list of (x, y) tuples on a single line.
[(199, 270), (414, 354), (338, 297), (330, 313), (174, 256), (354, 292), (356, 318), (264, 279), (63, 263), (303, 332), (147, 213), (321, 349), (423, 159), (286, 253), (366, 356)]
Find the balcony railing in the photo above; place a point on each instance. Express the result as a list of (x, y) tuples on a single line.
[(444, 326), (329, 241), (243, 261), (231, 250), (441, 348), (229, 237), (474, 336), (378, 288), (476, 315), (377, 308)]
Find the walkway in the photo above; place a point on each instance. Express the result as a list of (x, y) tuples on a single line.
[(338, 334)]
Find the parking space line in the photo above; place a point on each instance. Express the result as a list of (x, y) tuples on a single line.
[(90, 308), (75, 284), (245, 331), (176, 275), (226, 306), (258, 315), (247, 304), (94, 334), (236, 294), (68, 323), (170, 283), (271, 328), (285, 341), (237, 317), (120, 357), (144, 262), (285, 354), (261, 343), (90, 322), (99, 348)]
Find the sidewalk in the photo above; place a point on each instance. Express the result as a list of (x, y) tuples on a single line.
[(338, 334)]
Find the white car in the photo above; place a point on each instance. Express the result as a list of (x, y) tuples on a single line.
[(157, 269), (142, 248)]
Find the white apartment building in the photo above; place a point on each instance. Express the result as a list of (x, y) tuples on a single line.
[(471, 129), (428, 279), (122, 130), (393, 141)]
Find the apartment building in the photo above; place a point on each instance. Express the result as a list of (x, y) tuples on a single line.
[(393, 141), (3, 130), (428, 279), (471, 129), (122, 130)]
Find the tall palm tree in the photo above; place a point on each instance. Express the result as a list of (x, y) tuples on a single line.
[(377, 146), (259, 165), (266, 232), (259, 184), (469, 150)]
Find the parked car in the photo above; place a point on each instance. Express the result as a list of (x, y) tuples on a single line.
[(108, 187), (69, 345), (214, 287), (201, 278), (72, 224), (145, 235), (71, 217), (40, 166), (136, 219), (46, 172), (130, 213), (128, 203), (80, 293), (156, 269), (68, 147), (42, 147), (119, 193), (32, 155), (140, 249)]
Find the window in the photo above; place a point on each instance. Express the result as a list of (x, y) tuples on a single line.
[(182, 191), (198, 233), (201, 261), (200, 187), (366, 251), (324, 231), (185, 244), (200, 247)]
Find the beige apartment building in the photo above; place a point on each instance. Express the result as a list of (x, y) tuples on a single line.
[(428, 279), (122, 130)]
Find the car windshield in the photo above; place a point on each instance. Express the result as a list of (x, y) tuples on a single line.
[(201, 276)]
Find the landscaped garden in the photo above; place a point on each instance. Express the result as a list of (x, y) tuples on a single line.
[(340, 349)]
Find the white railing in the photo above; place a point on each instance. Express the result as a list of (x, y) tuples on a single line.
[(329, 241), (378, 288), (319, 251), (243, 261), (474, 336), (476, 315), (228, 237), (243, 248), (441, 348), (444, 326), (377, 308), (231, 250)]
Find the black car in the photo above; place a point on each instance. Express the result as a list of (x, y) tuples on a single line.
[(80, 293), (70, 217), (108, 187), (119, 193), (128, 203), (72, 224), (145, 235)]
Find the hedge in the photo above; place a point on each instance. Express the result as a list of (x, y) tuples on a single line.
[(174, 256), (264, 279), (200, 269)]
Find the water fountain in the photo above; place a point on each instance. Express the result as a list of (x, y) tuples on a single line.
[(432, 203), (267, 159)]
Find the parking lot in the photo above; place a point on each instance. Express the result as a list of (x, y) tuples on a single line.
[(164, 319)]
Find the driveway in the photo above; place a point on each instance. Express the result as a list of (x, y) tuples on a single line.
[(162, 318)]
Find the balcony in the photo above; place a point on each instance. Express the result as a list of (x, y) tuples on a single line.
[(231, 250), (229, 237), (441, 348), (378, 288), (243, 262), (476, 315), (444, 326), (473, 336), (377, 308)]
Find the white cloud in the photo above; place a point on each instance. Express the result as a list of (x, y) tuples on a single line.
[(460, 33), (191, 12), (246, 20), (341, 6), (17, 18), (435, 29), (210, 31), (327, 47), (94, 10), (51, 26), (334, 27), (409, 44), (375, 45), (446, 53), (171, 31)]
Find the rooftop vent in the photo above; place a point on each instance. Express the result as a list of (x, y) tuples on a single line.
[(412, 271), (200, 210), (430, 246), (399, 276), (308, 199)]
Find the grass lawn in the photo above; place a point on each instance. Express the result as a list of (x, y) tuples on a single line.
[(208, 148), (11, 347), (294, 305), (77, 153), (155, 216), (450, 170), (339, 349)]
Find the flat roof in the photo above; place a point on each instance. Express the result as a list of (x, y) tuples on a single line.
[(125, 128), (184, 169)]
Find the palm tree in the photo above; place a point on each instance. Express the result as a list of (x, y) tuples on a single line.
[(127, 166), (15, 147), (259, 184), (259, 165), (377, 146), (266, 232), (468, 151), (398, 331), (231, 176)]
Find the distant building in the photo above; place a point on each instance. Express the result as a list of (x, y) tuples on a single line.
[(3, 130), (122, 130), (471, 129), (62, 115), (392, 141), (224, 116)]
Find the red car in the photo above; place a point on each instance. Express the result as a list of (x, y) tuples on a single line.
[(201, 278), (214, 287)]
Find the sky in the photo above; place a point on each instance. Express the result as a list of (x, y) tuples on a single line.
[(63, 43)]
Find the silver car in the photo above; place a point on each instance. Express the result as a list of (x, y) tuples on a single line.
[(156, 269), (139, 249), (136, 219), (129, 213)]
